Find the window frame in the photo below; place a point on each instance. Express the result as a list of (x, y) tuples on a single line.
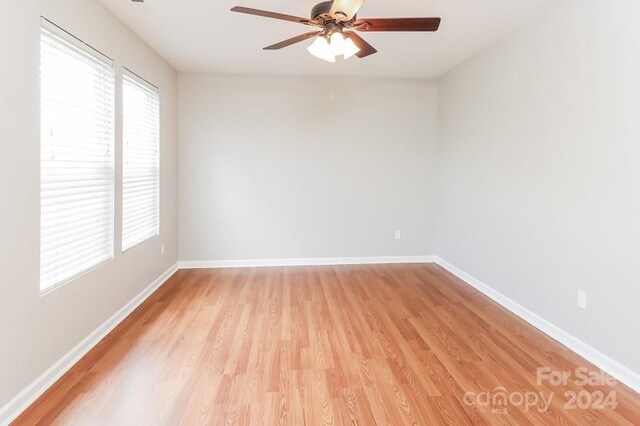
[(55, 31), (147, 85)]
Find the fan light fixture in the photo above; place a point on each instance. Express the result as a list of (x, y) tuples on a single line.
[(336, 45), (337, 26)]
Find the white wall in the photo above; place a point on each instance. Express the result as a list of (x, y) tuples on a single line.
[(36, 331), (539, 148), (305, 167)]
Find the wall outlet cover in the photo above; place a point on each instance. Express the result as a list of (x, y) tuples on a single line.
[(582, 299)]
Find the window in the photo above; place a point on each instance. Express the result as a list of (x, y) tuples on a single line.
[(77, 164), (141, 161)]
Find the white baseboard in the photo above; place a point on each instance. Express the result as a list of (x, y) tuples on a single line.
[(24, 399), (328, 261), (591, 354)]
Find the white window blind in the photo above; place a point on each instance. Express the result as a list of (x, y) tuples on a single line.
[(77, 168), (141, 161)]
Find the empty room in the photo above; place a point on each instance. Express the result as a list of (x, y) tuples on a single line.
[(350, 212)]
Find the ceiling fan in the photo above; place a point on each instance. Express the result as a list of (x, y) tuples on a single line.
[(337, 21)]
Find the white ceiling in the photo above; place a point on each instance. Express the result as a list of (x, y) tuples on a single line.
[(204, 36)]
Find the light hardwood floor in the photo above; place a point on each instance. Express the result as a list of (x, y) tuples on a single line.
[(388, 344)]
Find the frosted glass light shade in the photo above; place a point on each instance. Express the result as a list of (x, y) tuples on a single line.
[(321, 49), (337, 45), (349, 48)]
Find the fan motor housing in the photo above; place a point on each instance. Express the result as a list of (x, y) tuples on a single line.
[(320, 12), (321, 9)]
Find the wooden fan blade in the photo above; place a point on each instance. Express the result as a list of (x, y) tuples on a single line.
[(397, 24), (365, 48), (274, 15), (346, 8), (293, 40)]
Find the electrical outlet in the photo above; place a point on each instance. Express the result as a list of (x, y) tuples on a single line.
[(582, 299), (162, 249), (398, 235)]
